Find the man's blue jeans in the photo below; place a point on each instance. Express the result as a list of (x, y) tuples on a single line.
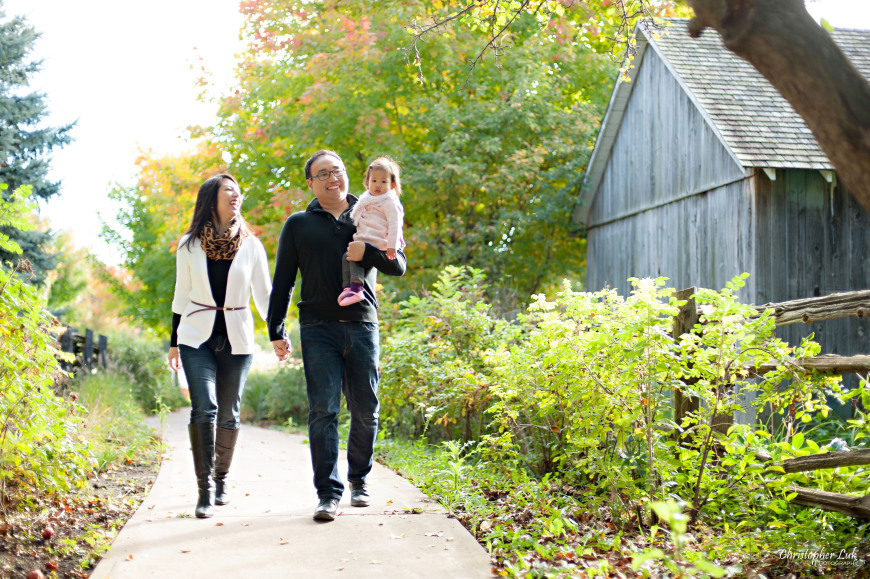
[(340, 357), (216, 379)]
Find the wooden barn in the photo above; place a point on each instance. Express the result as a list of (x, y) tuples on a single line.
[(702, 171)]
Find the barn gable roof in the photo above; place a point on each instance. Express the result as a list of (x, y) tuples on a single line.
[(755, 123)]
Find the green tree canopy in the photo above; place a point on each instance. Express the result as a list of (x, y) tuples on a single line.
[(491, 163)]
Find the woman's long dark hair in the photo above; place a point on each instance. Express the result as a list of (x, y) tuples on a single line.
[(206, 207)]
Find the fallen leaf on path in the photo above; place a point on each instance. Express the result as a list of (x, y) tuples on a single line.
[(130, 557), (218, 524), (185, 550), (283, 542), (375, 562), (389, 502), (397, 536), (434, 534)]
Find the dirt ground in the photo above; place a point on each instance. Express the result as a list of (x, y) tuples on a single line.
[(71, 533)]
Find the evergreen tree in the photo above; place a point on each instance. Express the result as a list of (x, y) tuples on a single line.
[(24, 142)]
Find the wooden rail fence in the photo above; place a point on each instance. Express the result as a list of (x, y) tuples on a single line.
[(810, 310), (88, 352)]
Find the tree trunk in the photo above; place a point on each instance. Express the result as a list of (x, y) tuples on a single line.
[(800, 59)]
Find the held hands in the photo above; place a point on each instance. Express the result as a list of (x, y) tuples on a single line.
[(356, 250), (174, 359), (391, 253), (282, 349)]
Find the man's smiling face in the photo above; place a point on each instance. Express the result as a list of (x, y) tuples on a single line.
[(328, 180)]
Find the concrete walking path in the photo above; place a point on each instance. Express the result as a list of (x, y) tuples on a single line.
[(268, 530)]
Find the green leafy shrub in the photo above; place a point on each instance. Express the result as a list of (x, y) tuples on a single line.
[(276, 396), (589, 392), (41, 450), (434, 377), (142, 362)]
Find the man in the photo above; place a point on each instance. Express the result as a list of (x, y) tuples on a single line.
[(340, 345)]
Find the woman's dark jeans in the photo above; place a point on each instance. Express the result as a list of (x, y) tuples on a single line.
[(216, 379), (340, 357)]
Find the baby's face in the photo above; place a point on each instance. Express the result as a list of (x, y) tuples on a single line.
[(378, 182)]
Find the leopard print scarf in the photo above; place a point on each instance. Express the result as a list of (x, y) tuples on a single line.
[(225, 246)]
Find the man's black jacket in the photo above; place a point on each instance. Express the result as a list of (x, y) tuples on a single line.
[(313, 243)]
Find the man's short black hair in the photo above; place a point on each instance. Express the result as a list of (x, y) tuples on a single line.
[(317, 155)]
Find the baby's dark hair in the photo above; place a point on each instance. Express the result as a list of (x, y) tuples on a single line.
[(392, 169)]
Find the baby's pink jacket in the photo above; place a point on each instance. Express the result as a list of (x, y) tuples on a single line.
[(378, 220)]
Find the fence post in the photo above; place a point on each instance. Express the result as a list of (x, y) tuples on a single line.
[(89, 349), (74, 346), (683, 323), (67, 345), (104, 351)]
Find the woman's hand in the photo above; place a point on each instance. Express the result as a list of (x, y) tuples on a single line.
[(282, 349), (356, 250), (174, 359), (391, 253)]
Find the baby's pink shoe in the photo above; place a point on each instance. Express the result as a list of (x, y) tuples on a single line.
[(350, 295)]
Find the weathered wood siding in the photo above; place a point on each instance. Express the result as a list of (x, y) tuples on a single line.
[(702, 241), (812, 239), (673, 202)]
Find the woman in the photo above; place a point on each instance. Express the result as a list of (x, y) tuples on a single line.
[(219, 263)]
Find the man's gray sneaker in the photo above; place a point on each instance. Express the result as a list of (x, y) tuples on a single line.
[(359, 494)]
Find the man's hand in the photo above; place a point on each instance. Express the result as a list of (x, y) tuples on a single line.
[(282, 349), (356, 250)]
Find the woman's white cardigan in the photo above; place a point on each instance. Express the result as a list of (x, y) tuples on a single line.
[(249, 271)]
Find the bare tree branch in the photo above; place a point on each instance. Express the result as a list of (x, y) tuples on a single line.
[(622, 40), (438, 25)]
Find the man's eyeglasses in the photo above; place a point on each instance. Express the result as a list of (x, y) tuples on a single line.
[(324, 175)]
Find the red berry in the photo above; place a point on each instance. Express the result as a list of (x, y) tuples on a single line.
[(35, 574), (52, 565), (47, 533)]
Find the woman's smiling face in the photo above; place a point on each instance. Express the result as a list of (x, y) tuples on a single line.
[(229, 201)]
